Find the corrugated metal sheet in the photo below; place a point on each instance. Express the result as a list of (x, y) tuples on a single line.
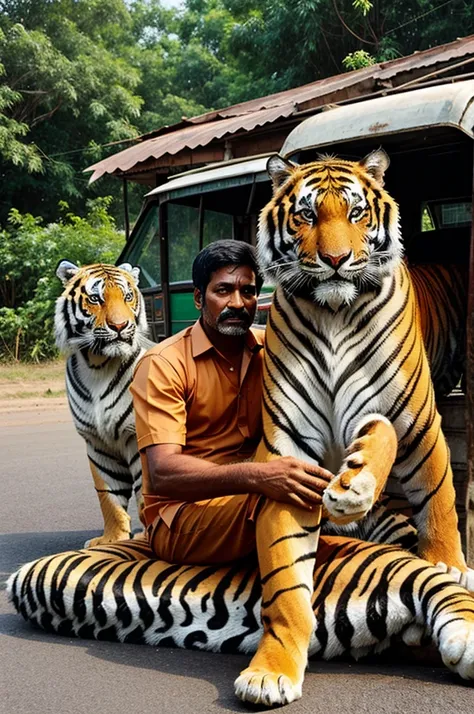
[(189, 138), (202, 130)]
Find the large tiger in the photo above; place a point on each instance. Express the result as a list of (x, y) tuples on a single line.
[(346, 376), (100, 323)]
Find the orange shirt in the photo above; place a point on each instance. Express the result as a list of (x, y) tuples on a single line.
[(185, 392)]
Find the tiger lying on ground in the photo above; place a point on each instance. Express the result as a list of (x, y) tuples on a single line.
[(100, 322), (364, 593)]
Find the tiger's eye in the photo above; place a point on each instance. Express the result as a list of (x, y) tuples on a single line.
[(307, 214), (356, 212)]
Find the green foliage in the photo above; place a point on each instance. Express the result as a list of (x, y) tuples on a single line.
[(29, 255), (64, 86), (358, 59), (77, 77), (426, 221), (290, 44), (365, 6), (81, 79)]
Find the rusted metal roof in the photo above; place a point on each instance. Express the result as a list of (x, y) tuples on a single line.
[(247, 116), (190, 137)]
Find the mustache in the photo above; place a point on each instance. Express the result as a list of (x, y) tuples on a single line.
[(231, 312)]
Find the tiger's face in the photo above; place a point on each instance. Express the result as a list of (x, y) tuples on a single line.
[(101, 309), (330, 231)]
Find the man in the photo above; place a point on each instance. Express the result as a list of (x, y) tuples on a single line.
[(198, 417)]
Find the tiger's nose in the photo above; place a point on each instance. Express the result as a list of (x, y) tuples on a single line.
[(335, 261), (118, 326)]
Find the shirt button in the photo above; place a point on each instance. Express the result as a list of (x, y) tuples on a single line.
[(231, 369)]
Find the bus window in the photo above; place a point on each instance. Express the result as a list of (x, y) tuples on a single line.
[(216, 226), (183, 240), (145, 251)]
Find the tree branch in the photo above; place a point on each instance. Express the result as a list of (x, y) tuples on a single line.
[(341, 20), (329, 50), (46, 115)]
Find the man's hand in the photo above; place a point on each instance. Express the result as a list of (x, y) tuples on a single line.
[(187, 478), (291, 480)]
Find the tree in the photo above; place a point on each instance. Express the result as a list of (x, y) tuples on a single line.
[(78, 77), (299, 42), (63, 90)]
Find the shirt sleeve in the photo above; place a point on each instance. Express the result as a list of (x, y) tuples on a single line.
[(158, 390)]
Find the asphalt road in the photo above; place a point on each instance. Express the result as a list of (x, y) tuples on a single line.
[(47, 504)]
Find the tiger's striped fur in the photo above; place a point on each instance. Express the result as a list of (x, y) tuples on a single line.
[(361, 593), (346, 376), (364, 594), (441, 296), (100, 322)]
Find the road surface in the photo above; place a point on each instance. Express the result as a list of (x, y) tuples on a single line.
[(47, 504)]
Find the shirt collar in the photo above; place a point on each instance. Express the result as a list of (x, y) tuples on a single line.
[(201, 343)]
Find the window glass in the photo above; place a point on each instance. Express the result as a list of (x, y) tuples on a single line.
[(456, 214), (426, 221), (183, 240), (446, 214), (145, 250), (217, 226)]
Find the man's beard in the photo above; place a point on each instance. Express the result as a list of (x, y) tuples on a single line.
[(233, 330)]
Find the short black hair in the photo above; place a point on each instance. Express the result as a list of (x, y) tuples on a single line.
[(219, 254)]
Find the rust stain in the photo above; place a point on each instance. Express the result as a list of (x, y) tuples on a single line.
[(378, 126)]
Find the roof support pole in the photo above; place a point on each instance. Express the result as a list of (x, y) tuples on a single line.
[(125, 209), (201, 221), (470, 403), (165, 272)]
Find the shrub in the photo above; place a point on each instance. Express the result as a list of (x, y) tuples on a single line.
[(29, 255)]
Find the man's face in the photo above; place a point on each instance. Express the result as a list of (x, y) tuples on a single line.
[(230, 301)]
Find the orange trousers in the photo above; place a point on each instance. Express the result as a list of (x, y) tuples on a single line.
[(215, 531)]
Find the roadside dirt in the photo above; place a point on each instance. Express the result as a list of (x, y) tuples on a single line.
[(22, 412)]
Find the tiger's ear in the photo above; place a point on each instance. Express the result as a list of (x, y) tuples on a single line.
[(376, 163), (65, 271), (279, 170), (134, 272)]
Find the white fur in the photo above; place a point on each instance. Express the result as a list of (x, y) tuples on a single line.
[(456, 645), (268, 690), (97, 385), (357, 500)]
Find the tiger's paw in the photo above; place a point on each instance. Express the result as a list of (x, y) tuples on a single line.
[(106, 539), (463, 578), (268, 688), (456, 645), (414, 635), (363, 475), (350, 495)]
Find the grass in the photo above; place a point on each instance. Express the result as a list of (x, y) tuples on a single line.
[(49, 393), (17, 372), (25, 381)]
